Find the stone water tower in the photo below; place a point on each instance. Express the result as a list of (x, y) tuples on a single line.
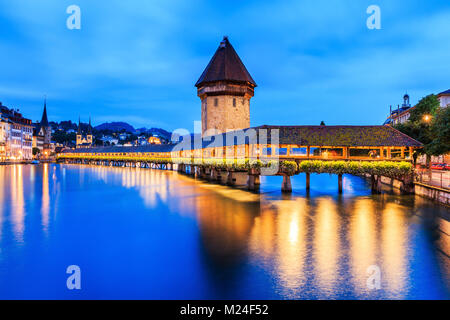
[(225, 89)]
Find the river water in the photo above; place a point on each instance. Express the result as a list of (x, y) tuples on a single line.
[(150, 234)]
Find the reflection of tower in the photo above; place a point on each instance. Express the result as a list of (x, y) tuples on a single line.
[(225, 89)]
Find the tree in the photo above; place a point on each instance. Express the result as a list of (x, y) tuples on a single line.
[(420, 126), (440, 130), (36, 151), (426, 106), (322, 123)]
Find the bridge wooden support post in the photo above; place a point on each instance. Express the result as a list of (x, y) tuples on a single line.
[(375, 182), (308, 181), (286, 186), (201, 172), (216, 175), (253, 182), (340, 183), (231, 181), (207, 173), (407, 185), (196, 172)]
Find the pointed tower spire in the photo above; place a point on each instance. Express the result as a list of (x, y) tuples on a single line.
[(90, 127), (225, 65), (44, 119), (79, 125)]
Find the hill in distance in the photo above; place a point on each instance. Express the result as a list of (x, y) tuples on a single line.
[(116, 127), (123, 126)]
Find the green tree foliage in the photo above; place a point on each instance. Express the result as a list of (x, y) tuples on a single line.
[(36, 151), (440, 131), (428, 105), (64, 138), (421, 124)]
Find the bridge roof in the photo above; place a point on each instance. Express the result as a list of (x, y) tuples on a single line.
[(316, 136), (323, 136), (119, 149)]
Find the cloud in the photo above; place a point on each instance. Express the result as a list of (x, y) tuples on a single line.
[(134, 60)]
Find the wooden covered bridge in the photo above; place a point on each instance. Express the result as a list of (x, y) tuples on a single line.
[(239, 157)]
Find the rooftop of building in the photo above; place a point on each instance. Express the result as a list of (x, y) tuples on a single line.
[(316, 136), (225, 65), (330, 136), (444, 93)]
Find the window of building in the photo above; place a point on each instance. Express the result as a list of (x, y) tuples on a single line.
[(216, 102), (281, 151), (267, 151), (364, 152), (299, 152), (234, 102)]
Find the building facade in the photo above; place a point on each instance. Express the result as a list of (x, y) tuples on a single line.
[(16, 135), (401, 114), (5, 131), (444, 98), (84, 139), (225, 89)]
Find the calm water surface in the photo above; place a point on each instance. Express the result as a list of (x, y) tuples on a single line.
[(148, 234)]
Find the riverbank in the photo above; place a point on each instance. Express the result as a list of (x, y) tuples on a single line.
[(11, 162), (440, 195)]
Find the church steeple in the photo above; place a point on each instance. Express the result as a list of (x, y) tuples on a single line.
[(90, 127), (79, 126), (44, 119)]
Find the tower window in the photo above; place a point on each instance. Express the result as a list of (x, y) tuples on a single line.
[(234, 102), (216, 102)]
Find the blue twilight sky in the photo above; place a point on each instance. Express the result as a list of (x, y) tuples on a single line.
[(138, 61)]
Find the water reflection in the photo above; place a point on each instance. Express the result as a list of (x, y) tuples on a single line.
[(394, 248), (45, 207), (18, 210), (327, 244), (243, 245), (363, 236)]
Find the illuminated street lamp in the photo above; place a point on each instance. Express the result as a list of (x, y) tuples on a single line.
[(427, 118)]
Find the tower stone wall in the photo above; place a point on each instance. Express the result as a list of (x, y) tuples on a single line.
[(225, 111), (225, 89)]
